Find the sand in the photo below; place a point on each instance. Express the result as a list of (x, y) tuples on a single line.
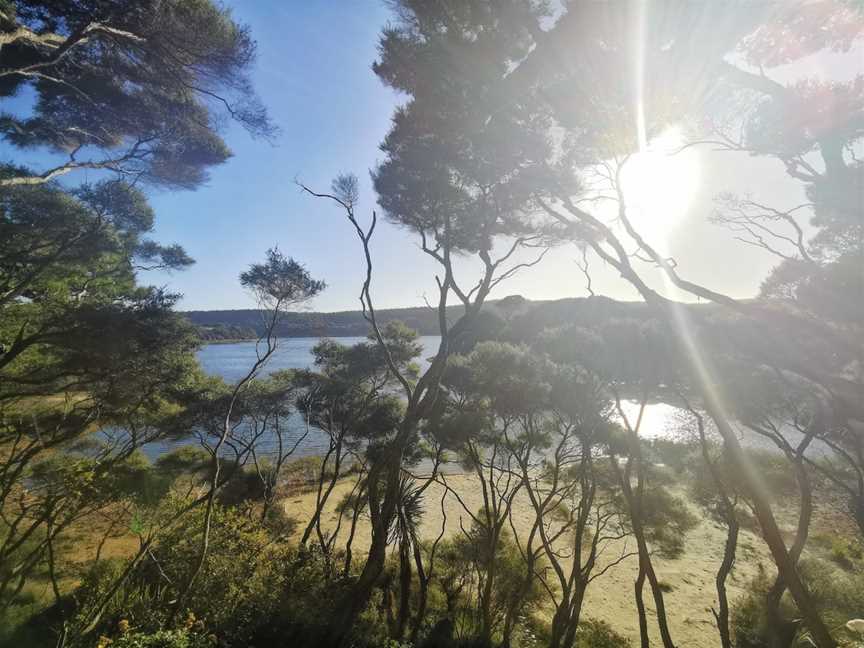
[(610, 597)]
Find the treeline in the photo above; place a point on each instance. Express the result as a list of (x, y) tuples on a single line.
[(224, 332), (521, 316), (252, 322)]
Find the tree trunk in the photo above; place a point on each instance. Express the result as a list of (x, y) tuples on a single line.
[(355, 516), (575, 614), (646, 568), (722, 615), (422, 594), (515, 605), (358, 595), (322, 495), (770, 530), (638, 587), (486, 597), (404, 612)]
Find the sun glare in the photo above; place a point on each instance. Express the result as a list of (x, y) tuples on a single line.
[(659, 184)]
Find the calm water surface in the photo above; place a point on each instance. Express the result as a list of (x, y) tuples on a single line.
[(232, 361)]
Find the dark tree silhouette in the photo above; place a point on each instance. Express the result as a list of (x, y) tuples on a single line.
[(131, 87)]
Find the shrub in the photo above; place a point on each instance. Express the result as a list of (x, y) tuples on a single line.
[(159, 639), (676, 455), (667, 520), (838, 596), (845, 552), (599, 634), (242, 572)]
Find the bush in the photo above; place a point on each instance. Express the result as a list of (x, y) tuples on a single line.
[(845, 552), (461, 562), (747, 621), (838, 596), (667, 520), (676, 455), (599, 634), (159, 639), (243, 572), (309, 594)]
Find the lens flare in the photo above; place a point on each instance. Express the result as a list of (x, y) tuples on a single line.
[(659, 184)]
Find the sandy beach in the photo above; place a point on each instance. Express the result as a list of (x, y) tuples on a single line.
[(610, 597)]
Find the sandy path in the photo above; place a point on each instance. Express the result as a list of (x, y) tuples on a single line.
[(610, 597)]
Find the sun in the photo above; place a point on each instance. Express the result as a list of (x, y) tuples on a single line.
[(659, 183)]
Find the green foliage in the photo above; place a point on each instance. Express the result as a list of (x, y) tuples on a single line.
[(748, 622), (838, 595), (280, 281), (242, 571), (450, 172), (160, 639), (464, 563), (225, 332), (350, 393), (28, 622), (137, 92), (676, 455), (667, 520), (599, 634)]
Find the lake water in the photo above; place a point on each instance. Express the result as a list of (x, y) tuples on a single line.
[(232, 361)]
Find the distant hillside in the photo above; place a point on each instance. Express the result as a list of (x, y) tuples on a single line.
[(248, 323), (522, 314)]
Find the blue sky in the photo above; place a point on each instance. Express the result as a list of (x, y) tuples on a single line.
[(314, 75)]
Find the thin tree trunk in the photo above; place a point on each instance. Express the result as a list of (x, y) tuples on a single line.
[(575, 615), (638, 588), (355, 516), (404, 612), (770, 530), (646, 568), (721, 617), (689, 347), (382, 508), (422, 593), (785, 630), (320, 496)]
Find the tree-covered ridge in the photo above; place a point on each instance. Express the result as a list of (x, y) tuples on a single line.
[(518, 313)]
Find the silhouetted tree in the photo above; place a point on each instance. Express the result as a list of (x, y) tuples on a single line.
[(134, 88)]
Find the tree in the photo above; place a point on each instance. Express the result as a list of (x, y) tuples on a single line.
[(129, 87), (451, 203), (683, 75), (575, 501), (84, 349), (92, 364), (434, 221), (348, 396), (487, 390), (278, 284)]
